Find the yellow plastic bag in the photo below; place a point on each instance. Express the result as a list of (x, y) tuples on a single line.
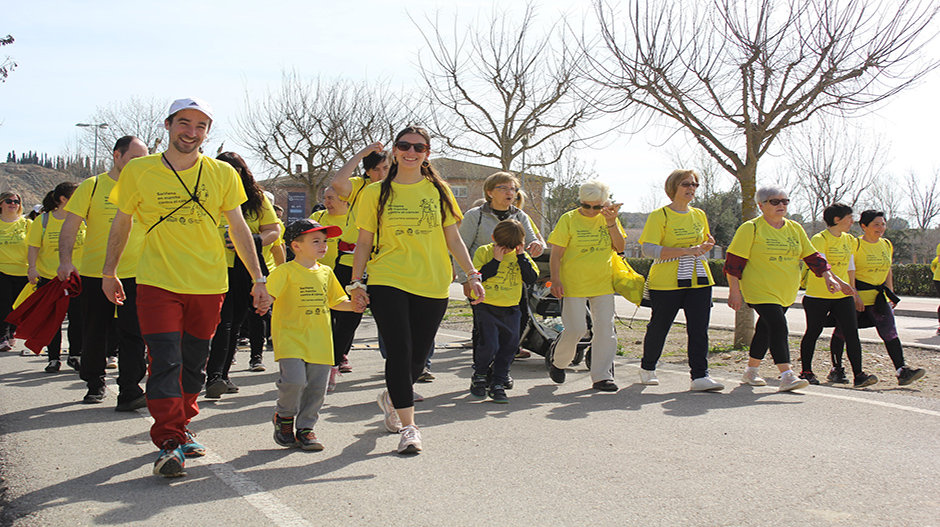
[(28, 290), (627, 282)]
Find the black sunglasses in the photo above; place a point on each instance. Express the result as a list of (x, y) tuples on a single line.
[(9, 201), (404, 146), (776, 201), (589, 207)]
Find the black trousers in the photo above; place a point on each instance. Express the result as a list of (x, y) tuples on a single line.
[(843, 311), (771, 332), (10, 287)]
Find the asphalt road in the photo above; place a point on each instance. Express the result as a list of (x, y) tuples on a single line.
[(555, 455)]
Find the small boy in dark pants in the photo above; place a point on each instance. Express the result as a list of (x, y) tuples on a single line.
[(505, 266)]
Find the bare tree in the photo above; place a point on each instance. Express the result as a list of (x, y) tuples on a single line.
[(137, 116), (561, 194), (7, 65), (736, 73), (887, 196), (503, 89), (924, 199), (319, 124)]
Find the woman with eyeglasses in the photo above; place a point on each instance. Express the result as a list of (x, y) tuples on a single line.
[(13, 266), (407, 225), (677, 237), (583, 244), (763, 269)]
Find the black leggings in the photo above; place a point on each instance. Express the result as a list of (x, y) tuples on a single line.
[(345, 323), (54, 348), (843, 311), (408, 324), (697, 306), (771, 331), (10, 287)]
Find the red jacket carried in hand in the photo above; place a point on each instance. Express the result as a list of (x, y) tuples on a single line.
[(40, 316)]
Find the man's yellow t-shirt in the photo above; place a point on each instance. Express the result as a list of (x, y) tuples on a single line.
[(838, 252), (47, 240), (268, 216), (350, 232), (325, 218), (668, 228), (772, 273), (90, 201), (13, 247), (505, 288), (183, 251), (411, 250), (300, 318), (872, 265), (586, 269)]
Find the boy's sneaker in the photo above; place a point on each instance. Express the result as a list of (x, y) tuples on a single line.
[(192, 448), (789, 381), (216, 387), (53, 366), (344, 366), (111, 363), (837, 376), (308, 440), (74, 362), (498, 394), (753, 378), (509, 383), (478, 385), (284, 431), (864, 379), (410, 440), (256, 365), (331, 383), (170, 462), (809, 377), (95, 396), (648, 377), (392, 422), (909, 375), (706, 384)]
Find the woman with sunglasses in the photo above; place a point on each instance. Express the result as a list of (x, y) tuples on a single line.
[(677, 237), (13, 266), (763, 269), (407, 225), (583, 244)]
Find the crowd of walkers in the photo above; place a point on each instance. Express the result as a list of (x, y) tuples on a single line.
[(173, 252)]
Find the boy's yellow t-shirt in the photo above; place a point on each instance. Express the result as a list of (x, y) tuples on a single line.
[(504, 289), (839, 252), (668, 228), (92, 203), (411, 251), (47, 263), (183, 253), (772, 273), (586, 268), (300, 317), (872, 265), (13, 247), (267, 217), (325, 218)]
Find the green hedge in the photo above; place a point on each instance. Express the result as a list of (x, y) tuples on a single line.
[(909, 279)]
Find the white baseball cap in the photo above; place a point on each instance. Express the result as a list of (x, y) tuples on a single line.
[(190, 103)]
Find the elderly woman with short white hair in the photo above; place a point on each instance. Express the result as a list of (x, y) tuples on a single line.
[(583, 244)]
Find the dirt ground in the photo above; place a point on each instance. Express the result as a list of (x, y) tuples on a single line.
[(722, 358)]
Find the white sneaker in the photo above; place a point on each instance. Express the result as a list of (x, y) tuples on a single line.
[(706, 384), (752, 378), (392, 422), (111, 363), (648, 377), (790, 381), (410, 440)]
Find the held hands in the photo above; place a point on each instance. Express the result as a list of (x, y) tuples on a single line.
[(476, 287), (360, 300), (262, 299)]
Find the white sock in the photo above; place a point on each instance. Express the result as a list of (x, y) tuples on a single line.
[(784, 373), (752, 369)]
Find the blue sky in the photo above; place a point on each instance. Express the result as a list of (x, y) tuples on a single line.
[(76, 56)]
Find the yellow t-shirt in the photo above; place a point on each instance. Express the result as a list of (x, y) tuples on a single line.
[(872, 264), (350, 232), (91, 202), (936, 272), (504, 289), (668, 228), (586, 269), (47, 263), (772, 273), (324, 218), (13, 247), (268, 216), (183, 253), (300, 318), (838, 252), (411, 250), (266, 250)]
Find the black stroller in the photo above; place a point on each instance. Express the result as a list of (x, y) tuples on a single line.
[(544, 324)]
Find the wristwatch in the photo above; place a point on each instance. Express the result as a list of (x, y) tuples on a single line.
[(260, 280)]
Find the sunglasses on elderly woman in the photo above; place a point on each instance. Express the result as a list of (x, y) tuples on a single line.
[(776, 201), (589, 207), (9, 201), (404, 146)]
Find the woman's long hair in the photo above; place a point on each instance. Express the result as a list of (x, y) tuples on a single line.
[(427, 171), (63, 190), (255, 203)]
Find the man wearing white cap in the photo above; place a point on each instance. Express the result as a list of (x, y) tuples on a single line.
[(179, 197)]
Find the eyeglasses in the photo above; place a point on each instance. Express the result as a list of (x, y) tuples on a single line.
[(9, 201), (589, 207), (687, 184), (504, 188), (776, 201), (405, 146)]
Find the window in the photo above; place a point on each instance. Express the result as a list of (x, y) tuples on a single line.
[(459, 191)]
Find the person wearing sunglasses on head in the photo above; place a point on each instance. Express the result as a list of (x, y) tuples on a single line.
[(583, 244), (763, 269), (677, 237), (13, 227)]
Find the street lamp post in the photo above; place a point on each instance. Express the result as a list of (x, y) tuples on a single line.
[(99, 126)]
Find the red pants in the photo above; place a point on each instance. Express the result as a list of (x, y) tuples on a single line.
[(177, 329)]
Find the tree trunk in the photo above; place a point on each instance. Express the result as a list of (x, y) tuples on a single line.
[(744, 317)]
